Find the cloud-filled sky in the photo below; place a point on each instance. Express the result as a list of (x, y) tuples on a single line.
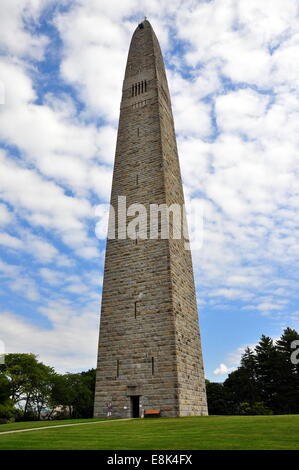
[(233, 74)]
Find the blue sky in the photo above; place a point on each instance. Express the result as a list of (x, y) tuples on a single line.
[(233, 75)]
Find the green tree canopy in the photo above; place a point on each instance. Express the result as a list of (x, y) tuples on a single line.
[(267, 381)]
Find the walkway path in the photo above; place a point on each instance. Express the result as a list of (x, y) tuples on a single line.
[(63, 426)]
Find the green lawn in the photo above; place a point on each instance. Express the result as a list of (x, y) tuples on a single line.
[(207, 432)]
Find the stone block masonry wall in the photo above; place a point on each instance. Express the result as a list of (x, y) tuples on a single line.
[(149, 338)]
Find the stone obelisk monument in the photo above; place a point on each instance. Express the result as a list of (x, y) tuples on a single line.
[(149, 355)]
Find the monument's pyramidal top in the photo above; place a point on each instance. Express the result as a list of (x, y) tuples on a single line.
[(145, 53)]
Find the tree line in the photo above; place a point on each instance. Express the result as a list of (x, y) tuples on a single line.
[(31, 390), (267, 381)]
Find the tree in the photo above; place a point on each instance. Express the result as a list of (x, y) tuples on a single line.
[(82, 386), (32, 387), (6, 404), (41, 388), (218, 399), (266, 380), (61, 394), (268, 372), (4, 388), (30, 382), (18, 369), (241, 384), (75, 392), (256, 408), (249, 365), (236, 388)]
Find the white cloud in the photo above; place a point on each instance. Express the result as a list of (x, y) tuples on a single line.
[(106, 141), (8, 269), (192, 116), (15, 38), (41, 249), (10, 241), (222, 369), (230, 293), (44, 203), (17, 279), (64, 346), (92, 62), (88, 252), (26, 287), (60, 145), (5, 215), (52, 277), (240, 110), (26, 189)]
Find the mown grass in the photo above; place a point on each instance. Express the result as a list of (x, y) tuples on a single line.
[(203, 433)]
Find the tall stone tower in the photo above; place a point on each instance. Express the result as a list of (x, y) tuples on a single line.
[(149, 354)]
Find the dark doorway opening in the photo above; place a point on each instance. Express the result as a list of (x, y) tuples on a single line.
[(135, 407)]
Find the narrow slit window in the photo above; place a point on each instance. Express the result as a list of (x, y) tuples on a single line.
[(145, 85), (159, 224), (137, 180), (138, 134), (135, 308), (153, 366), (139, 88), (142, 86), (117, 368), (132, 90), (135, 89)]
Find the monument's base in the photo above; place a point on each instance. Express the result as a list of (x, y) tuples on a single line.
[(134, 406)]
